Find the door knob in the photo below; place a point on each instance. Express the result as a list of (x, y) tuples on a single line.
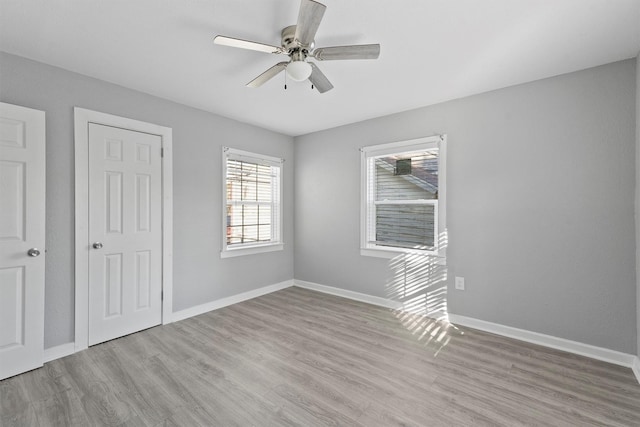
[(97, 245), (34, 252)]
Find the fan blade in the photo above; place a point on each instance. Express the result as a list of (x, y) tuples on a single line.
[(309, 18), (319, 80), (363, 51), (267, 75), (246, 44)]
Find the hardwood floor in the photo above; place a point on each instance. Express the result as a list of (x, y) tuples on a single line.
[(298, 357)]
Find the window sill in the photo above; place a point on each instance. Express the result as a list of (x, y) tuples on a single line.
[(230, 253), (390, 253)]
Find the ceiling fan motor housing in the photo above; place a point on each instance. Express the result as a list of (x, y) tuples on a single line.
[(289, 42)]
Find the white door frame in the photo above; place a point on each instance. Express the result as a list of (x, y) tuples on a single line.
[(82, 118)]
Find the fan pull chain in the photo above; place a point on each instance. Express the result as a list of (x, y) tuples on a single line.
[(285, 80), (311, 86)]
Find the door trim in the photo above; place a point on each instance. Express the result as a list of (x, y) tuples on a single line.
[(82, 118)]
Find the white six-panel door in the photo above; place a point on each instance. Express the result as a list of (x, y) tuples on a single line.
[(125, 232), (22, 238)]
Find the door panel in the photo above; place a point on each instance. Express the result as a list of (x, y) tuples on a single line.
[(113, 202), (125, 218), (113, 285), (22, 227), (143, 282), (143, 202), (12, 220), (11, 317)]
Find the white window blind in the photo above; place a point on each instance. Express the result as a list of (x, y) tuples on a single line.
[(252, 202), (402, 186)]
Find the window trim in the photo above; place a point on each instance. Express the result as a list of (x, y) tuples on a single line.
[(277, 243), (406, 146)]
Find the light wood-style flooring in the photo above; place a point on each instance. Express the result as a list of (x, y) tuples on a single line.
[(298, 357)]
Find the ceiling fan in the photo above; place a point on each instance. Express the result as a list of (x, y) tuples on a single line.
[(298, 44)]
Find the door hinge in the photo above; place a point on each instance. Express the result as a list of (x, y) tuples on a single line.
[(161, 295), (162, 152)]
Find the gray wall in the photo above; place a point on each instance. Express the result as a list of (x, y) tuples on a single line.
[(540, 205), (199, 273)]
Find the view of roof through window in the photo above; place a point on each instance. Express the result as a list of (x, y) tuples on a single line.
[(406, 193)]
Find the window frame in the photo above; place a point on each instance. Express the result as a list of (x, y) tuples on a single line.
[(276, 243), (367, 215)]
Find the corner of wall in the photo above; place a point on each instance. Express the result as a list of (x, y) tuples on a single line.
[(637, 210)]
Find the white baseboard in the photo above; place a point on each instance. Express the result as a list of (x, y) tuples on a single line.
[(636, 367), (598, 353), (67, 349), (223, 302), (59, 351), (357, 296)]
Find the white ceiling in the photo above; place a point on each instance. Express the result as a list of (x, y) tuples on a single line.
[(431, 50)]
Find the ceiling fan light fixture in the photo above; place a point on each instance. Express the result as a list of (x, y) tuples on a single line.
[(299, 70)]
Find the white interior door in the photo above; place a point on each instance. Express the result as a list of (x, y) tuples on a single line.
[(22, 238), (125, 234)]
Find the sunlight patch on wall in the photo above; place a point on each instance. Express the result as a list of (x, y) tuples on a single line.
[(419, 283)]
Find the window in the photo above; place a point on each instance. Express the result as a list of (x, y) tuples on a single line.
[(252, 217), (403, 197)]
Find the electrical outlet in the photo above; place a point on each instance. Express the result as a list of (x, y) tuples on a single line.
[(460, 283)]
